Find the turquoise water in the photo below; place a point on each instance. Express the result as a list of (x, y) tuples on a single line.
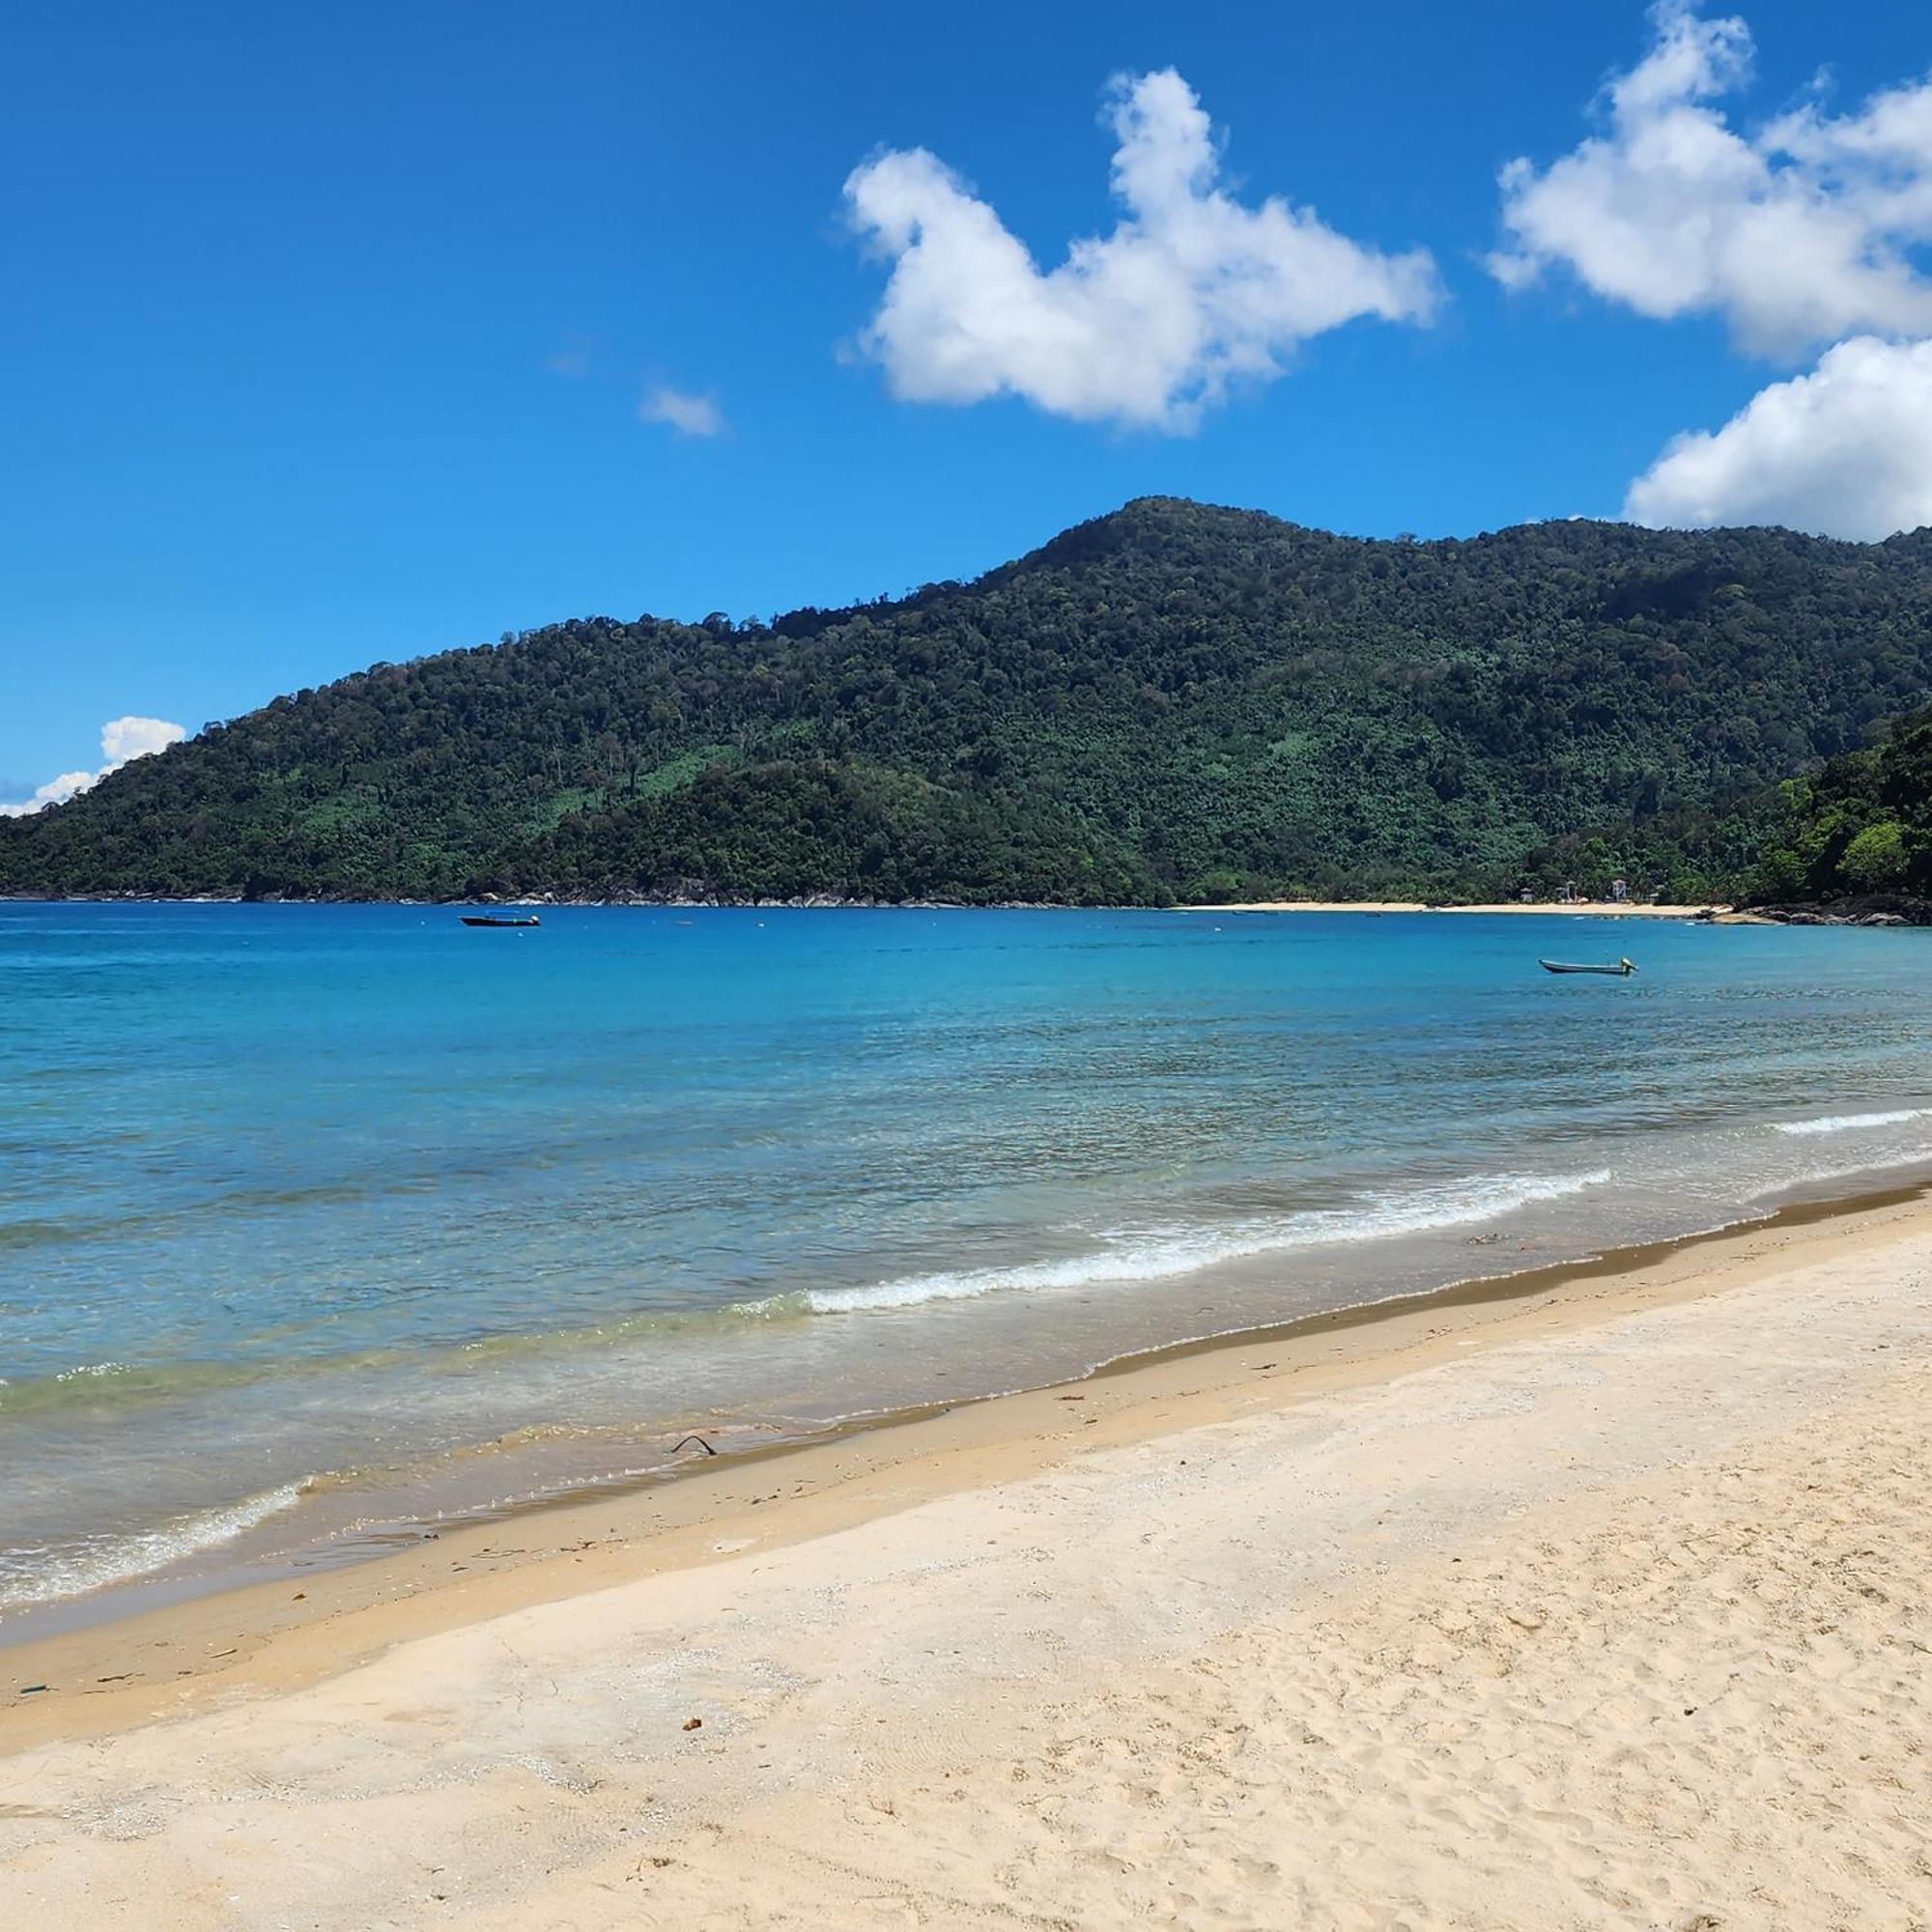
[(316, 1219)]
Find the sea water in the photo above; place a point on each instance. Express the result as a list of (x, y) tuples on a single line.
[(316, 1221)]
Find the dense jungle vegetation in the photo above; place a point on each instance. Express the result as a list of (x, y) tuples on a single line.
[(1171, 702), (1860, 826)]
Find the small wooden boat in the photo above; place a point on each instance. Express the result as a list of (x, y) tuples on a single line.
[(492, 919), (1622, 970)]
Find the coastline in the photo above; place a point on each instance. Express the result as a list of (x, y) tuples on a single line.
[(1715, 914), (848, 902), (1708, 914), (296, 1626)]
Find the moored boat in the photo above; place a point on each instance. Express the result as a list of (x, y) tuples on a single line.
[(1621, 970), (492, 919)]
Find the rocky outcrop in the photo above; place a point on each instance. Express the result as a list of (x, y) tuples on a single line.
[(1874, 909)]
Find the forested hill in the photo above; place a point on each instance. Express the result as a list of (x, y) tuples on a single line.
[(1171, 702)]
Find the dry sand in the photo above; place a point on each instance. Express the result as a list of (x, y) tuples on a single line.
[(1602, 1607)]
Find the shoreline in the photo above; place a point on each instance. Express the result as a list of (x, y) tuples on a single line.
[(217, 1569), (298, 1625), (1607, 1610), (1887, 911), (1710, 914)]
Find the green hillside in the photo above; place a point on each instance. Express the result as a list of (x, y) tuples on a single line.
[(1173, 701), (1859, 827)]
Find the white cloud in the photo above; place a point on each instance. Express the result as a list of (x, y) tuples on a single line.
[(121, 741), (1797, 233), (56, 791), (1146, 325), (686, 413), (1845, 450)]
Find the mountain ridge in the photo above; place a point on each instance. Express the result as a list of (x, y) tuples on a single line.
[(1172, 700)]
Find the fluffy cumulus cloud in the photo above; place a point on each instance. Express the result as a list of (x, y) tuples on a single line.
[(686, 413), (1846, 450), (1192, 290), (121, 741), (1797, 233)]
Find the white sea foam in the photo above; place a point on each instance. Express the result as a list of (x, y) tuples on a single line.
[(1845, 1123), (1161, 1254), (30, 1576)]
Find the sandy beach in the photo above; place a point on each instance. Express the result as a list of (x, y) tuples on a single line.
[(1578, 909), (1594, 1602)]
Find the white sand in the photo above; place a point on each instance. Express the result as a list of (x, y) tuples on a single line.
[(1619, 1625), (1570, 908)]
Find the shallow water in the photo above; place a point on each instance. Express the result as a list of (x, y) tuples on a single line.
[(320, 1217)]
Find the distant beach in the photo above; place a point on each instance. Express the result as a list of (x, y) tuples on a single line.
[(1539, 909)]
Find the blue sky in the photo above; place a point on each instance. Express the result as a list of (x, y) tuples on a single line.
[(332, 333)]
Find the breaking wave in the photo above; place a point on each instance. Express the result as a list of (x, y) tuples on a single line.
[(1844, 1124), (30, 1575), (1159, 1254)]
